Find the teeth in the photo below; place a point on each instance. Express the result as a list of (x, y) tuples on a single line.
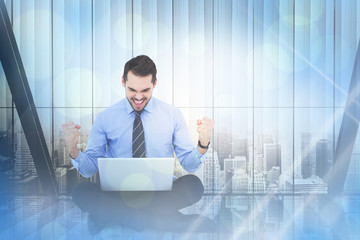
[(138, 102)]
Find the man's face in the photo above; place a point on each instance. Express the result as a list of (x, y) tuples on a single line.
[(138, 90)]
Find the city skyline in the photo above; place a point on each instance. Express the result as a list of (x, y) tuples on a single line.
[(227, 169)]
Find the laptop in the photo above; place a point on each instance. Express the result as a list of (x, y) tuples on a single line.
[(136, 174)]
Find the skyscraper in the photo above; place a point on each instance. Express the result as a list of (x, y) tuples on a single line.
[(256, 181), (240, 162), (272, 156), (211, 172), (230, 165), (240, 181), (23, 158), (240, 147), (307, 155), (322, 158), (223, 146), (228, 169)]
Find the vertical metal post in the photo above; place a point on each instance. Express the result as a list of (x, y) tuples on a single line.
[(348, 131)]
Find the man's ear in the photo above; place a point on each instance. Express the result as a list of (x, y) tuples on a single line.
[(154, 85), (123, 81)]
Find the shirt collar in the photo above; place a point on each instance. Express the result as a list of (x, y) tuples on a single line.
[(148, 107)]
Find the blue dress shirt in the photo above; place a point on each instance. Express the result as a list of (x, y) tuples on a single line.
[(165, 131)]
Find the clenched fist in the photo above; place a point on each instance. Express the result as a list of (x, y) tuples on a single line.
[(71, 133), (205, 128)]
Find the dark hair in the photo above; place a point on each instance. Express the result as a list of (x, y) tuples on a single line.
[(141, 65)]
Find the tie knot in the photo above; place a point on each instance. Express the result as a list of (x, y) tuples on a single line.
[(138, 113)]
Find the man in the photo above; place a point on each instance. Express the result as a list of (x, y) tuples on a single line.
[(140, 126)]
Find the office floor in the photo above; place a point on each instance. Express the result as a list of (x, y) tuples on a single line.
[(244, 217)]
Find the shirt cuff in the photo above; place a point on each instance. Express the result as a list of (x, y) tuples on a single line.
[(201, 157), (76, 161)]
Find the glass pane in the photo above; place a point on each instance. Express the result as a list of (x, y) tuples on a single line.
[(192, 54), (32, 28), (73, 77), (271, 214), (152, 32), (352, 181), (6, 148), (347, 30), (313, 149), (232, 33), (273, 52), (45, 116), (5, 120), (318, 217), (25, 176), (5, 94), (112, 48), (273, 150), (314, 54), (233, 150)]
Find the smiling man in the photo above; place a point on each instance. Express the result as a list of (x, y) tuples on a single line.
[(140, 126)]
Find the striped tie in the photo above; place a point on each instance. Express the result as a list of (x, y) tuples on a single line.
[(138, 145)]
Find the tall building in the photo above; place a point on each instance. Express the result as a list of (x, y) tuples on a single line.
[(240, 181), (211, 171), (255, 161), (221, 180), (61, 156), (322, 158), (23, 158), (223, 146), (5, 156), (307, 156), (230, 165), (272, 156), (5, 146), (240, 148), (259, 182), (72, 178), (61, 179), (228, 173), (259, 163), (274, 174), (240, 162)]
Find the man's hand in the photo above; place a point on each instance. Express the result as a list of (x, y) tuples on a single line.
[(205, 128), (71, 133)]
